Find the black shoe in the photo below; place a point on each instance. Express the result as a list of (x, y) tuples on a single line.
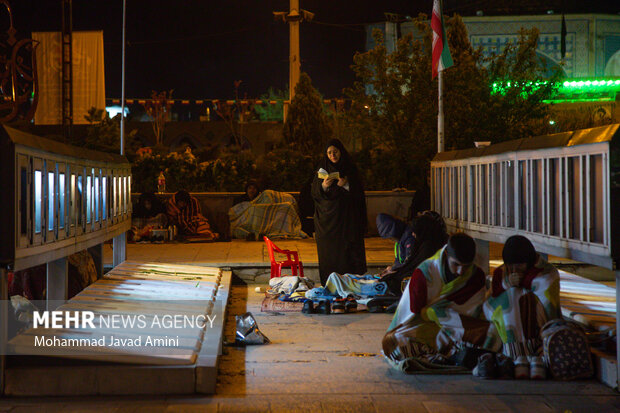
[(468, 357), (350, 306), (486, 367), (379, 303), (308, 307), (324, 307), (392, 307), (338, 306), (375, 307), (505, 366)]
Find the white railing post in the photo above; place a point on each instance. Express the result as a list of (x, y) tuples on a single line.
[(516, 192), (606, 201), (588, 201), (119, 249), (581, 198), (57, 283), (4, 324)]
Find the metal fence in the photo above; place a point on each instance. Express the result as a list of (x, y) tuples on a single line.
[(65, 199), (557, 190)]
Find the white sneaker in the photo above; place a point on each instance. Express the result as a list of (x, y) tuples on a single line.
[(522, 368), (537, 368)]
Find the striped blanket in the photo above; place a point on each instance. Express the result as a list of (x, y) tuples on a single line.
[(271, 213), (189, 219), (520, 312), (448, 321)]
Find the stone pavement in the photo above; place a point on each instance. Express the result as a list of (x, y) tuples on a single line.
[(332, 363), (241, 253), (324, 363)]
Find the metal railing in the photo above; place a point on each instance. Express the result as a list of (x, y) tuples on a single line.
[(562, 191), (58, 200), (554, 189), (65, 199)]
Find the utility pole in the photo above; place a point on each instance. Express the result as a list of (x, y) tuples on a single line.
[(122, 131), (67, 69), (293, 18)]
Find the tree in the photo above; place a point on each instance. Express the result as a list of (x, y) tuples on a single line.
[(158, 108), (271, 112), (103, 133), (307, 126), (519, 78), (394, 108), (236, 114)]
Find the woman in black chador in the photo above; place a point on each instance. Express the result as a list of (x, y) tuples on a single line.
[(340, 213)]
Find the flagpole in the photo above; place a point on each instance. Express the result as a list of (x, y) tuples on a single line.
[(440, 142), (122, 131)]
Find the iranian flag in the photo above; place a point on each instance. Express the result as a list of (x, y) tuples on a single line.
[(441, 53)]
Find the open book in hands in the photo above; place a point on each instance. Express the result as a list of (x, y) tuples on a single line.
[(324, 175)]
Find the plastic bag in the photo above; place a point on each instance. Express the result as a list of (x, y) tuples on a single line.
[(248, 332)]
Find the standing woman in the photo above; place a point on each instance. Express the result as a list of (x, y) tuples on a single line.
[(340, 214)]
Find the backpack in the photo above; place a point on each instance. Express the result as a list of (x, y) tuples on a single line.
[(566, 350)]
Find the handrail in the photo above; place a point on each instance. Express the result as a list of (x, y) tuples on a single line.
[(66, 199), (61, 199), (555, 189)]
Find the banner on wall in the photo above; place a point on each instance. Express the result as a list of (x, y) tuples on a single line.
[(88, 76)]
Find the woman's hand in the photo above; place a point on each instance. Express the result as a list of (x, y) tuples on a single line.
[(327, 182), (342, 181)]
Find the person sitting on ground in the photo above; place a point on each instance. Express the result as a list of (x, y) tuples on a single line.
[(251, 191), (184, 211), (421, 200), (148, 214), (399, 231), (525, 294), (270, 213), (438, 312), (428, 234)]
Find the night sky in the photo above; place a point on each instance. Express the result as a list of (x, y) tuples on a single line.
[(200, 47)]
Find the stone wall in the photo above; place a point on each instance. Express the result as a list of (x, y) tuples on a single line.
[(215, 206)]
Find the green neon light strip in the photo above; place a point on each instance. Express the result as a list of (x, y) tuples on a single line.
[(604, 88)]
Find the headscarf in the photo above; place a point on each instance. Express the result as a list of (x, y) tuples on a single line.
[(345, 164), (357, 221), (519, 249), (430, 225), (430, 235)]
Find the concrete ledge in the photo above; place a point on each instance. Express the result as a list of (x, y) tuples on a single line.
[(215, 206), (74, 378), (606, 368), (208, 356)]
